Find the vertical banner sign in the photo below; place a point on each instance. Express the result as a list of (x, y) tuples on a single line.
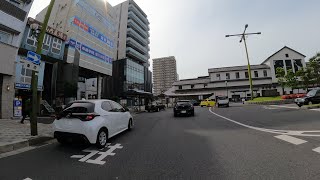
[(17, 107)]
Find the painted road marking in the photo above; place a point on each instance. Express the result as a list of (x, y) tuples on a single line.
[(27, 179), (274, 131), (290, 139), (99, 159), (316, 149), (315, 109), (281, 106)]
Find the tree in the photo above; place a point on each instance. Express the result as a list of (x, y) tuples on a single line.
[(314, 65), (291, 79), (280, 75)]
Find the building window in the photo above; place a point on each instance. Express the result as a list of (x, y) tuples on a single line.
[(246, 74), (46, 42), (297, 64), (5, 37), (227, 75), (218, 76), (192, 86), (265, 73), (31, 40), (278, 64), (56, 46), (287, 55), (26, 75), (256, 74), (237, 75), (180, 87), (288, 65)]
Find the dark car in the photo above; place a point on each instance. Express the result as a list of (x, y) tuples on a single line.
[(313, 97), (183, 108), (195, 102), (155, 107)]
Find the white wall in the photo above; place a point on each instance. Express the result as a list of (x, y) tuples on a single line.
[(223, 77)]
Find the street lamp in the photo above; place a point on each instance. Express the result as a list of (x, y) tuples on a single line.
[(243, 37)]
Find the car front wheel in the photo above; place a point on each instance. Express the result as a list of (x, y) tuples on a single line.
[(130, 125), (102, 138)]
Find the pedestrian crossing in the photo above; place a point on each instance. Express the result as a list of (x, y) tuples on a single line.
[(295, 141)]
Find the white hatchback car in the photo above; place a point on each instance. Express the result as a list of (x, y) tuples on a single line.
[(92, 120)]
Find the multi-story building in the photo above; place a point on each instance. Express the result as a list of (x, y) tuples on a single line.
[(13, 17), (91, 28), (164, 74), (234, 81), (131, 69)]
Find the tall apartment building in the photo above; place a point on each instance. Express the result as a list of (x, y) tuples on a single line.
[(164, 74), (13, 19), (131, 69), (91, 27)]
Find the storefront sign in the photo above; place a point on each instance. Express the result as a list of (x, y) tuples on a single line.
[(87, 50), (50, 30), (92, 31), (26, 86), (17, 107)]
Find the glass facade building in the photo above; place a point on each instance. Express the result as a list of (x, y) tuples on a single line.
[(134, 75)]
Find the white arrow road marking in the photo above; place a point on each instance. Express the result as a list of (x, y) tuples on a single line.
[(77, 156), (290, 139), (274, 131), (316, 149)]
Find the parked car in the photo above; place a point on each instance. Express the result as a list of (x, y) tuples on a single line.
[(222, 101), (207, 103), (195, 102), (155, 106), (183, 107), (94, 121), (312, 97)]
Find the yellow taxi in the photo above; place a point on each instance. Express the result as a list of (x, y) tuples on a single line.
[(207, 103)]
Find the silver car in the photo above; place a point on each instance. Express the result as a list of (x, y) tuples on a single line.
[(222, 101)]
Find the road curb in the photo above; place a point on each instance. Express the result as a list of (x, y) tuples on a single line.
[(12, 146)]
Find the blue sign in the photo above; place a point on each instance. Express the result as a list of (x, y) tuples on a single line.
[(17, 103), (87, 50), (76, 21), (33, 57)]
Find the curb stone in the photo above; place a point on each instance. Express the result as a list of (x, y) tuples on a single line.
[(7, 147)]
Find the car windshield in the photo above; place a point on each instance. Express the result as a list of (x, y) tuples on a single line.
[(79, 107), (222, 97), (312, 93), (183, 102)]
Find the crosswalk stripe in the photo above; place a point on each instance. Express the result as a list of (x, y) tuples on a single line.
[(291, 139)]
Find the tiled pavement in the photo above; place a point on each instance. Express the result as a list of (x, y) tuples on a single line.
[(13, 131)]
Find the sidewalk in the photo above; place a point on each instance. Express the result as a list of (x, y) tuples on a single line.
[(14, 135)]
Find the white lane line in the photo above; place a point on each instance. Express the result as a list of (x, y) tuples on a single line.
[(316, 149), (315, 109), (289, 107), (274, 131), (77, 156), (290, 139)]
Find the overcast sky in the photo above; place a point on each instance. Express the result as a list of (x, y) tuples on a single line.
[(194, 30)]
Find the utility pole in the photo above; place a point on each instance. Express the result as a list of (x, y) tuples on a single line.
[(34, 82), (243, 37)]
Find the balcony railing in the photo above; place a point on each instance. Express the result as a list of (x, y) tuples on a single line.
[(136, 54), (12, 10), (134, 43), (137, 36), (135, 18), (136, 27), (138, 13)]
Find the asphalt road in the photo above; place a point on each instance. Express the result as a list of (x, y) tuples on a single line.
[(207, 146)]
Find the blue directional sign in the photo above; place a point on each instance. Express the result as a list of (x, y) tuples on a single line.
[(33, 57)]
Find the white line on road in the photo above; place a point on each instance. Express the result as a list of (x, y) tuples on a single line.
[(77, 156), (315, 109), (290, 139), (316, 149), (289, 107), (274, 131)]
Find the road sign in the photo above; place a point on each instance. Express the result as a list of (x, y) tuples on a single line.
[(33, 57)]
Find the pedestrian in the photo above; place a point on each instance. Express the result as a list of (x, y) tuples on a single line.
[(243, 100), (26, 109)]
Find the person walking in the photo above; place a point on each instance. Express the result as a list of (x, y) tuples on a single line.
[(26, 109)]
